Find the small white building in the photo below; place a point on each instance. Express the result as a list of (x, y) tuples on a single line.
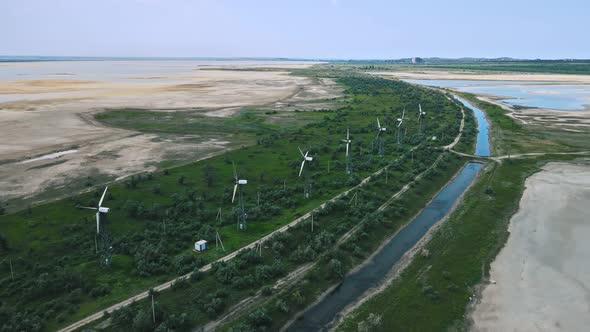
[(201, 245)]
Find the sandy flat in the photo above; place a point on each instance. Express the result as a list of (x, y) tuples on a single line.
[(49, 106), (542, 274)]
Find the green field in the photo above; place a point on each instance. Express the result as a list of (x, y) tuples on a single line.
[(574, 67), (155, 218)]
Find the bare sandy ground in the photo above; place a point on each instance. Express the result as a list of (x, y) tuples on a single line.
[(542, 275), (48, 107)]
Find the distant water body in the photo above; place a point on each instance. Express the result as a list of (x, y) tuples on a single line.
[(566, 97), (118, 70)]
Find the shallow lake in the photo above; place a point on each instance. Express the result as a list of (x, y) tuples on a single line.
[(569, 97)]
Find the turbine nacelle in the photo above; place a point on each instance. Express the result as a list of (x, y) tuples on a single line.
[(379, 128), (242, 181), (103, 209)]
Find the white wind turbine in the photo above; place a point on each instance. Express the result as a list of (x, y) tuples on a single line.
[(238, 187), (400, 121), (347, 141), (421, 115), (378, 139), (305, 158), (99, 209), (238, 183)]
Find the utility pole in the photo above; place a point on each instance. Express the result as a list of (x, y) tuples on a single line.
[(11, 271), (95, 245), (218, 239), (153, 310)]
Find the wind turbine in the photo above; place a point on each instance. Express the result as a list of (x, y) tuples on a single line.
[(307, 186), (305, 158), (238, 188), (102, 235), (348, 141), (99, 209), (421, 114), (379, 139), (400, 121)]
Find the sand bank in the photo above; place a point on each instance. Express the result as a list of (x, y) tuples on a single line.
[(542, 276)]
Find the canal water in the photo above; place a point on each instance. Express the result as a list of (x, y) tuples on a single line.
[(374, 272)]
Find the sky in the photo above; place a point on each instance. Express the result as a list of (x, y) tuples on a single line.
[(313, 29)]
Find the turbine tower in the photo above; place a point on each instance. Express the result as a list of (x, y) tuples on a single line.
[(348, 161), (379, 139), (421, 115), (238, 183), (400, 121), (307, 186), (102, 239)]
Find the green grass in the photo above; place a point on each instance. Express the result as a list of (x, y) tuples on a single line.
[(335, 221), (55, 241)]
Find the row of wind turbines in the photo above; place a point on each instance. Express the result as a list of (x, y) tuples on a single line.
[(106, 248)]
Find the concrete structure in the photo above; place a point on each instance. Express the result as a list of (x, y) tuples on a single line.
[(201, 245)]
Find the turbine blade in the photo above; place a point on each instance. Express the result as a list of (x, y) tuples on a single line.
[(378, 124), (301, 169), (347, 149), (97, 222), (347, 134), (235, 173), (234, 195), (103, 194), (87, 207), (301, 152), (403, 113)]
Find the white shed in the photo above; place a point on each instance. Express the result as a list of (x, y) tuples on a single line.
[(201, 245)]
